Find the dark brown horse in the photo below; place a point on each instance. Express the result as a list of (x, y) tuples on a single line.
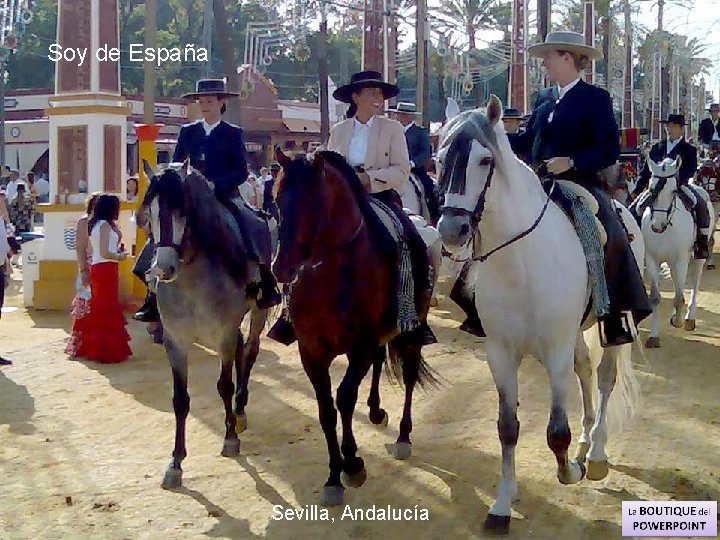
[(343, 270)]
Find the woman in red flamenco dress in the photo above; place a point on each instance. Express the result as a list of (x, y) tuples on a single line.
[(101, 335)]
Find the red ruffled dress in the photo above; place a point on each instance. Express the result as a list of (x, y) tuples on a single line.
[(101, 334)]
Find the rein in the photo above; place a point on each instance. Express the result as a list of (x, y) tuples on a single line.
[(670, 211), (477, 214), (342, 245)]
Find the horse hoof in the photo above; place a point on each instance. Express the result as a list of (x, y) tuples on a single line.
[(597, 470), (497, 524), (332, 496), (231, 448), (652, 343), (400, 450), (690, 325), (240, 423), (355, 480), (582, 451), (574, 473), (675, 321), (172, 478), (380, 420)]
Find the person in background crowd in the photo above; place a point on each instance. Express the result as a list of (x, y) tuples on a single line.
[(81, 303), (102, 335), (132, 189), (12, 185), (21, 210), (269, 204), (264, 175), (247, 190), (5, 175), (709, 131), (511, 120), (42, 187), (5, 269)]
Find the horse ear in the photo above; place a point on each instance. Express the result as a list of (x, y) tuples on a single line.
[(281, 158), (318, 163), (494, 109), (148, 171)]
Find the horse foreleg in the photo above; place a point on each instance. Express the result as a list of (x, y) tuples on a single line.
[(377, 415), (584, 370), (317, 370), (245, 358), (560, 370), (181, 406), (228, 351), (504, 367), (695, 271), (679, 272), (358, 365), (653, 273)]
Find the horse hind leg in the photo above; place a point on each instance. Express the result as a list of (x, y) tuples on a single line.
[(377, 415), (653, 272), (695, 271), (245, 357), (558, 431), (359, 361), (504, 368), (229, 349), (679, 272), (584, 371), (181, 405)]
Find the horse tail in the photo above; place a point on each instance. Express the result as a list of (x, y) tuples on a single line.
[(405, 363), (624, 400)]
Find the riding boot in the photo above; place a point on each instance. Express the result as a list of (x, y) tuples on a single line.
[(282, 331), (148, 312), (466, 301), (269, 294), (629, 303)]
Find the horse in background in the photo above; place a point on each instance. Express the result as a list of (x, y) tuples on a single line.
[(532, 292), (343, 300), (202, 271), (669, 231)]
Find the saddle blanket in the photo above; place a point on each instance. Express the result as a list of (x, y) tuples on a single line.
[(407, 317)]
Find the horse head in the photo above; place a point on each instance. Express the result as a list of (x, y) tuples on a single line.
[(466, 163), (663, 191), (164, 211), (300, 194)]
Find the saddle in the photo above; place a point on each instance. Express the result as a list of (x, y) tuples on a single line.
[(561, 198)]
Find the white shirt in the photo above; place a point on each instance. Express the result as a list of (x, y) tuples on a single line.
[(210, 127), (249, 193), (359, 142), (11, 190), (42, 187), (672, 144), (562, 90), (4, 245), (715, 136), (411, 124), (97, 258)]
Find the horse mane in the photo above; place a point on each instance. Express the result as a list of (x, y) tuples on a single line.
[(210, 228), (458, 136)]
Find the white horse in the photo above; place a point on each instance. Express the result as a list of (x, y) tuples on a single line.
[(669, 231), (531, 296)]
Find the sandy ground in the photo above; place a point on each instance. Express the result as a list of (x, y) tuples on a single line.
[(83, 446)]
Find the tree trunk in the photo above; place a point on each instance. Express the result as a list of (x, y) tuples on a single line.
[(228, 58)]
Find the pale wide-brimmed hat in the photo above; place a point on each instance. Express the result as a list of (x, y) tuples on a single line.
[(403, 107), (564, 41)]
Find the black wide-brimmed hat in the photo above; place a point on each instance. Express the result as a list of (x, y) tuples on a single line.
[(365, 79), (678, 119), (210, 87), (714, 107), (512, 114), (403, 107)]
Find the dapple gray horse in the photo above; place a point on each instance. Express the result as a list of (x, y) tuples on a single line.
[(202, 272)]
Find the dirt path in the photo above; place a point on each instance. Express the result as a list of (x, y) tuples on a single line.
[(83, 446)]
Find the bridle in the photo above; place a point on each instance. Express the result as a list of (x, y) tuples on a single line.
[(477, 214), (670, 210), (167, 236)]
